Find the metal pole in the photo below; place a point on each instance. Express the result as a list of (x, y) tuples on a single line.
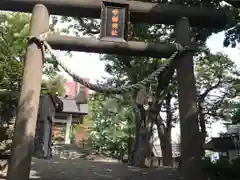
[(23, 140), (187, 98)]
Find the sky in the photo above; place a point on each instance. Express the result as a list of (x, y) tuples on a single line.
[(88, 65)]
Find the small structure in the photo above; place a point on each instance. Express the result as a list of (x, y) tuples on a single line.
[(228, 143), (72, 113), (157, 159), (74, 108), (48, 105), (57, 113)]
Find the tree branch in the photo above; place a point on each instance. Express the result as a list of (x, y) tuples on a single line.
[(204, 95), (215, 114)]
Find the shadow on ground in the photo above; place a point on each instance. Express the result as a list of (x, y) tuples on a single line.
[(69, 163), (79, 169)]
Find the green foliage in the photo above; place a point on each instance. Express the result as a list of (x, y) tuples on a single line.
[(76, 128), (50, 69), (232, 36), (216, 77), (235, 119), (54, 85), (110, 130), (14, 29), (13, 32)]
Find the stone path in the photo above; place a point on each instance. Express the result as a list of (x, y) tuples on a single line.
[(79, 169)]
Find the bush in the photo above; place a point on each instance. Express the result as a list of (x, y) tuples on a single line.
[(6, 133), (221, 169)]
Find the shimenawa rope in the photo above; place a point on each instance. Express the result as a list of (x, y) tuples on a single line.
[(105, 89)]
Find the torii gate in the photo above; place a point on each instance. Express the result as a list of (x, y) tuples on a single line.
[(152, 13)]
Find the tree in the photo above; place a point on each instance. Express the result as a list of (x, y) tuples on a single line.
[(14, 27), (13, 42), (12, 47), (111, 127), (129, 70), (232, 35), (54, 85), (236, 116), (216, 78), (234, 107), (165, 124), (14, 30)]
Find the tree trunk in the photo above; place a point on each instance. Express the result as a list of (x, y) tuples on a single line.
[(142, 148), (167, 158), (165, 142), (130, 148), (166, 150), (164, 132), (141, 157), (137, 132), (203, 132)]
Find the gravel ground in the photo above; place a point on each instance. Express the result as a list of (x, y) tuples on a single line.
[(74, 166), (79, 169)]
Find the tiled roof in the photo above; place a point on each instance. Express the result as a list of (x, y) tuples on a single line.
[(220, 144), (70, 106)]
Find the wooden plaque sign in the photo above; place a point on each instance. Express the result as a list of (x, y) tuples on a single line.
[(114, 21)]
